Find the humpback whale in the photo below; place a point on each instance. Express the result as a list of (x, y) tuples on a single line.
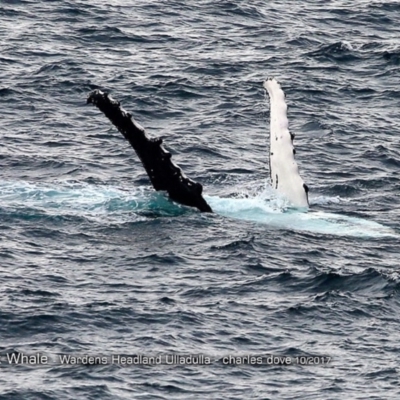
[(167, 176), (163, 173), (284, 172), (92, 201)]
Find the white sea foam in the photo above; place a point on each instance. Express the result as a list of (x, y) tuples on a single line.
[(115, 204), (268, 212)]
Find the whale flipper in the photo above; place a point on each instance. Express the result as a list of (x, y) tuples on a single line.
[(163, 173), (284, 171)]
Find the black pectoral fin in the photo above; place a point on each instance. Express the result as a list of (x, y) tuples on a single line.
[(163, 173)]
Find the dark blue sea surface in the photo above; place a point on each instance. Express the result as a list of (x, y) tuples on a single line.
[(94, 262)]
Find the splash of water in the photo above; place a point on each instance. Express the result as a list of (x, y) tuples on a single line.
[(266, 208), (111, 203)]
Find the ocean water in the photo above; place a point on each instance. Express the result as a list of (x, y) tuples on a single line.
[(94, 263)]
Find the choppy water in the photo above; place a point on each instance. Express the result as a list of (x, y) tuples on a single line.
[(93, 262)]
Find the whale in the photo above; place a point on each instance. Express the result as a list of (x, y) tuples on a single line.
[(285, 179), (166, 176), (280, 203), (284, 171)]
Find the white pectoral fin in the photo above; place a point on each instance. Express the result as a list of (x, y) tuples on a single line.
[(284, 171)]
